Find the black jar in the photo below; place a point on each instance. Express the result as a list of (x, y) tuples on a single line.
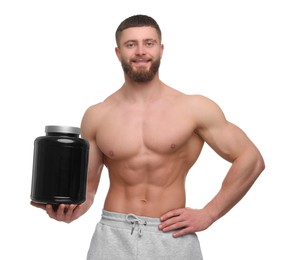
[(60, 167)]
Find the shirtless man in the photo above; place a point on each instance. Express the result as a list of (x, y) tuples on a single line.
[(149, 135)]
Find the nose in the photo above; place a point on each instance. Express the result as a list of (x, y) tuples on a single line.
[(140, 49)]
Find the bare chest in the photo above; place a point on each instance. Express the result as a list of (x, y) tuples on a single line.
[(127, 133)]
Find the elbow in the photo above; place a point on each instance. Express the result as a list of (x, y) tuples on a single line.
[(260, 164)]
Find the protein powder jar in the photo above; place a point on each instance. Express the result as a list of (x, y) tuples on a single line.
[(60, 167)]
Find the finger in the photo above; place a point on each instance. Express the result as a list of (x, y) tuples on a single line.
[(69, 209), (71, 214), (38, 205), (174, 226), (66, 208), (171, 214), (184, 232), (50, 211), (61, 211), (170, 222)]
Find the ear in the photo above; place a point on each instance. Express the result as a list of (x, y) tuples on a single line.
[(162, 50), (117, 51)]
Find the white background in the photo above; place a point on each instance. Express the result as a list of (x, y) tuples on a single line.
[(57, 58)]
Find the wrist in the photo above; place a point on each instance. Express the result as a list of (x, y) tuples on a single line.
[(212, 214)]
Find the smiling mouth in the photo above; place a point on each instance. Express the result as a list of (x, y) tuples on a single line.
[(141, 59), (140, 62)]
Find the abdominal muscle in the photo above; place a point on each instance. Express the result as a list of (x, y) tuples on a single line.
[(154, 203), (145, 192)]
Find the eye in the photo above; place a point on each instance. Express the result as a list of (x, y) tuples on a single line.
[(149, 44), (130, 45)]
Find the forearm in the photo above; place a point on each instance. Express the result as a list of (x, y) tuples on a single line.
[(92, 186), (239, 179)]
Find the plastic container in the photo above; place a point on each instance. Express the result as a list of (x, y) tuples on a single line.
[(60, 167)]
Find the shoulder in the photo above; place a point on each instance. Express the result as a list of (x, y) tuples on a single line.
[(189, 99), (95, 114), (199, 100), (198, 103), (204, 110), (199, 106), (98, 110)]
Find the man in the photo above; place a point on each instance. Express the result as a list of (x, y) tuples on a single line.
[(149, 135)]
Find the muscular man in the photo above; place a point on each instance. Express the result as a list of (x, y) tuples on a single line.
[(149, 135)]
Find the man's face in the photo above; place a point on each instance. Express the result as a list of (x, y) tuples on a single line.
[(140, 52)]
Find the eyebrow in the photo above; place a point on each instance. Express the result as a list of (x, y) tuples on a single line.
[(144, 40)]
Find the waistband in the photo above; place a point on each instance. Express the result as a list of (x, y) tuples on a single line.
[(130, 221)]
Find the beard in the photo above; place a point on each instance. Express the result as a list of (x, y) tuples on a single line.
[(141, 75)]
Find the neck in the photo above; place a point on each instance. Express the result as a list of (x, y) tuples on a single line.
[(142, 91)]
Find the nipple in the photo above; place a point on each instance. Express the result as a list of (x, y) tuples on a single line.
[(172, 146)]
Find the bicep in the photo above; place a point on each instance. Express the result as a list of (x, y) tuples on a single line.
[(225, 138), (95, 166), (228, 140), (95, 159)]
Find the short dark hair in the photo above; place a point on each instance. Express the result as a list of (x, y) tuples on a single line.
[(137, 21)]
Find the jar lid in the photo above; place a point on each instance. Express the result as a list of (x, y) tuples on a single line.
[(62, 129)]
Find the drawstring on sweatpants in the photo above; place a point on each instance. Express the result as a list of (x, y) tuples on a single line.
[(133, 219)]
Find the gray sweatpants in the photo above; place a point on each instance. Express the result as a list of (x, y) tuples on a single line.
[(128, 237)]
